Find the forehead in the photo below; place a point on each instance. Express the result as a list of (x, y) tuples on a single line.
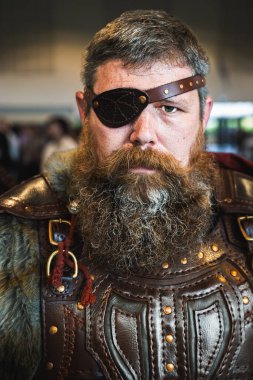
[(113, 74)]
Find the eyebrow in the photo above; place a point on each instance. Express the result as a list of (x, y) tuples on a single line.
[(174, 101)]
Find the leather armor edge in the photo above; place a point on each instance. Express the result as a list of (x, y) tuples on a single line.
[(33, 199), (234, 192)]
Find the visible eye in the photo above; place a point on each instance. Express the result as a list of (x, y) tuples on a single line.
[(169, 109)]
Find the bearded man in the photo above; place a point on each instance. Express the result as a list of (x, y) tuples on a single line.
[(131, 257)]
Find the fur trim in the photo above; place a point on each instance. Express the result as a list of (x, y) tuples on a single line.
[(58, 171), (20, 331)]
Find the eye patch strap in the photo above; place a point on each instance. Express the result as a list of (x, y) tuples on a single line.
[(175, 88), (119, 106)]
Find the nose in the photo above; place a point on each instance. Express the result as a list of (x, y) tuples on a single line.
[(144, 131)]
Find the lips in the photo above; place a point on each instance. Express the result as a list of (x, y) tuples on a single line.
[(143, 170)]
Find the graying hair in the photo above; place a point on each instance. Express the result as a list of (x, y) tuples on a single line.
[(142, 37)]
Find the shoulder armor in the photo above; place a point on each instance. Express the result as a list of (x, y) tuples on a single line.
[(235, 191), (33, 199), (233, 162)]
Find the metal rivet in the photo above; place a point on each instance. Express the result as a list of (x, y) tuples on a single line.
[(245, 300), (170, 367), (165, 265), (169, 338), (61, 288), (142, 99), (181, 86), (95, 104), (227, 200), (191, 84), (166, 91), (184, 260), (197, 82), (233, 273), (53, 330), (215, 247), (50, 365), (221, 278), (80, 306), (92, 277), (200, 255), (167, 310)]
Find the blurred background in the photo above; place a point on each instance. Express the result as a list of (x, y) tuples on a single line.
[(41, 44)]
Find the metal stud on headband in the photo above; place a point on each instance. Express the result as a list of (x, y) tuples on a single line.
[(120, 106)]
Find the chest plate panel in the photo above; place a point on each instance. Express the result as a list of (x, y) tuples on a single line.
[(192, 330)]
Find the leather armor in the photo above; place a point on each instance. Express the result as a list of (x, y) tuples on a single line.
[(192, 318)]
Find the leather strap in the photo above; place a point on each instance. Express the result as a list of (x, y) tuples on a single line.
[(175, 88)]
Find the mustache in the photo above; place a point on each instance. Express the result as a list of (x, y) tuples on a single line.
[(122, 160)]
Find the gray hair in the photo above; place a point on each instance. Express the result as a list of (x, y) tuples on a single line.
[(142, 37)]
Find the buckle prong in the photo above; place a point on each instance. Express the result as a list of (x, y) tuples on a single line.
[(50, 229)]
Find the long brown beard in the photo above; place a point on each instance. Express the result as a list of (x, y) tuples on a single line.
[(132, 221)]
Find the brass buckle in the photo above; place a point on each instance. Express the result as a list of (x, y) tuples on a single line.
[(50, 229), (49, 261), (243, 231)]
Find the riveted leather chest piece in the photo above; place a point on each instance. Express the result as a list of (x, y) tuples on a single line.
[(191, 318)]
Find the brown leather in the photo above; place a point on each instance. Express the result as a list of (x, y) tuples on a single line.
[(123, 335), (120, 106), (33, 199), (235, 192), (206, 333), (60, 310), (175, 88)]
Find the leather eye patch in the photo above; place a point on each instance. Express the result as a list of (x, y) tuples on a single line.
[(121, 106)]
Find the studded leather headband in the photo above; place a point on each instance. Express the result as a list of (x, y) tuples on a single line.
[(120, 106)]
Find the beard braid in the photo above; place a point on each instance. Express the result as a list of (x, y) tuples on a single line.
[(132, 221)]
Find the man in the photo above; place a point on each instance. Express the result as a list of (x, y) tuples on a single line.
[(140, 243)]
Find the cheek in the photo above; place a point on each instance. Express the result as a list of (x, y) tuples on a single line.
[(107, 139)]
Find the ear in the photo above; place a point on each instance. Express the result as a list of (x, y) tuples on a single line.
[(82, 105), (207, 111)]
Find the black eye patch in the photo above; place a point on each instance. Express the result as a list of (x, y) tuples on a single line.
[(120, 106)]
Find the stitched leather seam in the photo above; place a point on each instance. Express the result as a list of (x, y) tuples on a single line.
[(101, 335), (184, 336), (231, 344), (45, 329), (118, 346), (80, 321), (240, 324), (176, 327), (152, 341), (213, 262), (90, 333), (141, 364), (200, 346), (171, 287), (162, 334), (219, 339), (68, 345), (184, 302)]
